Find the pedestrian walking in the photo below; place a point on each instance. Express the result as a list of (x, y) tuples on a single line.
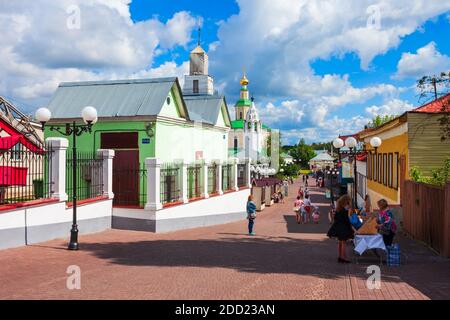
[(300, 192), (307, 209), (341, 227), (251, 215), (281, 197), (298, 204), (286, 189)]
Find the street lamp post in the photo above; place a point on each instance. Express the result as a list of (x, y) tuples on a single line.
[(89, 115), (351, 143), (332, 174)]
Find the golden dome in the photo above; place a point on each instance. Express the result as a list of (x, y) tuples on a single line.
[(244, 81)]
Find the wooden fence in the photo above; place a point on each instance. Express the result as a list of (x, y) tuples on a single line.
[(426, 214)]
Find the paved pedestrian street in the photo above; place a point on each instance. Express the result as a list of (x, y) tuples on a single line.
[(283, 261)]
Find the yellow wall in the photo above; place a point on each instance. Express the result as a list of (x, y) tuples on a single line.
[(377, 190)]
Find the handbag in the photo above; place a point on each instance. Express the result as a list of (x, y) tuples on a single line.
[(252, 216)]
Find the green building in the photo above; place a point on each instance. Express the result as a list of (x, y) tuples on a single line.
[(143, 119)]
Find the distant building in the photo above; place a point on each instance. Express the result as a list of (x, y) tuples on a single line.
[(321, 161), (288, 159)]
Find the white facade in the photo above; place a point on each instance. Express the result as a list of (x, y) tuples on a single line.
[(198, 85)]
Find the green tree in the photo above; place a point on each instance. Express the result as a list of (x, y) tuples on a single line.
[(380, 120), (439, 177), (321, 145), (302, 153)]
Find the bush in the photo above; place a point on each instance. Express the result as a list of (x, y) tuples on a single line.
[(439, 177)]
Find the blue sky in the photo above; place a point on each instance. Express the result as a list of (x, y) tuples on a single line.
[(316, 69)]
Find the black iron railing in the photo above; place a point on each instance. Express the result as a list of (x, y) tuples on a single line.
[(89, 183), (195, 181), (25, 171), (242, 175), (170, 183), (227, 177), (212, 179)]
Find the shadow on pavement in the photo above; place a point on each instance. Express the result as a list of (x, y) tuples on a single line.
[(246, 255)]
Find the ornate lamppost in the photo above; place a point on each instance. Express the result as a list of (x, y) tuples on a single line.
[(351, 143), (89, 115)]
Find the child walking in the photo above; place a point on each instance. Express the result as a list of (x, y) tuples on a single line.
[(251, 215)]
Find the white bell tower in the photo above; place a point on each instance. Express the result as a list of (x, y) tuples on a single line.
[(198, 82), (253, 133)]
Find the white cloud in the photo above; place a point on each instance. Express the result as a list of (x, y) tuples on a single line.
[(276, 42), (426, 61), (39, 50), (394, 107)]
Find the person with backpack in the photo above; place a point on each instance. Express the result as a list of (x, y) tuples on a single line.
[(251, 215), (386, 223)]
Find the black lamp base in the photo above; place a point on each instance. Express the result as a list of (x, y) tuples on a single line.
[(73, 245)]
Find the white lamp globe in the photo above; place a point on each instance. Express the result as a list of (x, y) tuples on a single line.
[(351, 142), (338, 143), (375, 142), (43, 115), (89, 114)]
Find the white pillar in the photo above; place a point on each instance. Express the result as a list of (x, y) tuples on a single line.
[(184, 196), (107, 156), (219, 176), (153, 166), (234, 174), (58, 146), (205, 180), (248, 174)]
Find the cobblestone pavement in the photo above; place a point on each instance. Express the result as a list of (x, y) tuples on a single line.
[(283, 261)]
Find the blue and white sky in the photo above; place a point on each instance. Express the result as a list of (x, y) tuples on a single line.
[(316, 68)]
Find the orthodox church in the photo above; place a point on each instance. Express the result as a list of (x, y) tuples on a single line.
[(249, 136)]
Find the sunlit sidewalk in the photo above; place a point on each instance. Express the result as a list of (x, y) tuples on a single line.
[(283, 261)]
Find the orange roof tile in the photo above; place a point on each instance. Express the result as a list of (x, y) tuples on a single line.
[(434, 106)]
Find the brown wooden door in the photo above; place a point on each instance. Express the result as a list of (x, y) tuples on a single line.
[(126, 168), (126, 178)]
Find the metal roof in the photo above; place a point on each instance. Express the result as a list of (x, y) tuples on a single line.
[(143, 97), (205, 108), (323, 157)]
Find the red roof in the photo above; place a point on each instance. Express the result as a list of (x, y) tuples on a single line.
[(434, 106)]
